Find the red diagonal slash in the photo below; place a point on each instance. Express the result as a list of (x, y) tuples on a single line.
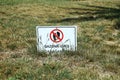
[(56, 36), (53, 32)]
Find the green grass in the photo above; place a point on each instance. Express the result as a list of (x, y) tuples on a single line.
[(17, 2), (98, 54)]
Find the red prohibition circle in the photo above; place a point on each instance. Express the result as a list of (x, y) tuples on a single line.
[(59, 39)]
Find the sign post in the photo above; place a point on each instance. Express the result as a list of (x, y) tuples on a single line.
[(56, 38)]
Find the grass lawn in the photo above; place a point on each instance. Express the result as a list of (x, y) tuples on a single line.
[(98, 54)]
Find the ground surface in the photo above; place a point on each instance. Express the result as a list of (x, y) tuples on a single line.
[(98, 55)]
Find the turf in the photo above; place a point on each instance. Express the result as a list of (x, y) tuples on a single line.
[(98, 54)]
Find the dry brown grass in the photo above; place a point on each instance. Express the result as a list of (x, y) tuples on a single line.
[(98, 55)]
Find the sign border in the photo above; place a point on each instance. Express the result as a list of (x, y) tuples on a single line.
[(72, 26)]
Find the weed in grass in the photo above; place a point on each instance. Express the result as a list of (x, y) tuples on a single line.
[(70, 53), (118, 35), (24, 75), (11, 78), (12, 46), (100, 29), (112, 68), (117, 61), (32, 49), (17, 55), (117, 24), (1, 47), (87, 75), (65, 74), (54, 71)]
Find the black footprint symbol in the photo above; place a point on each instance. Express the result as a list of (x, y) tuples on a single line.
[(58, 35)]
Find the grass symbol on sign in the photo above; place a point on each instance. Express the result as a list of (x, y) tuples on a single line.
[(56, 35)]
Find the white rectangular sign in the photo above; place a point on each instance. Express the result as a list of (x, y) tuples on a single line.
[(56, 38)]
